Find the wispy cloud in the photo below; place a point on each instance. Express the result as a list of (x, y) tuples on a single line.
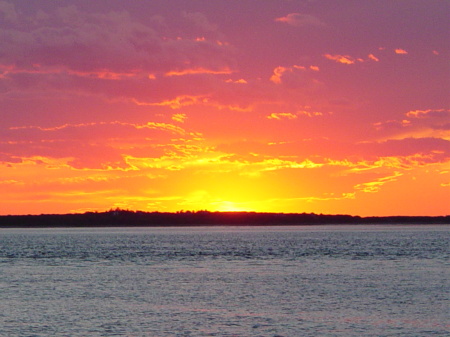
[(347, 59), (196, 71), (344, 59), (297, 76), (375, 186), (126, 45), (429, 113), (300, 20)]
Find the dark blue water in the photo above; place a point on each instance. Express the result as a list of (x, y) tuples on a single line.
[(264, 281)]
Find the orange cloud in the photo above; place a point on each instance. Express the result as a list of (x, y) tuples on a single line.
[(344, 59), (428, 113), (373, 58), (375, 186), (94, 145), (277, 73), (239, 81), (347, 59), (392, 124), (176, 103), (289, 115), (401, 51), (180, 118), (295, 76), (312, 113), (282, 115), (197, 71)]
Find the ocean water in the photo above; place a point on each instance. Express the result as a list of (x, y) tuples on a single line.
[(225, 281)]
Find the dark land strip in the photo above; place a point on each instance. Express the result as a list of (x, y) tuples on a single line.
[(126, 218)]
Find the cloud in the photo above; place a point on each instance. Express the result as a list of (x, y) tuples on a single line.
[(200, 21), (375, 186), (438, 149), (196, 71), (300, 20), (8, 11), (94, 145), (295, 115), (113, 56), (417, 124), (239, 81), (399, 154), (344, 59), (176, 103), (180, 118), (401, 51), (392, 124), (294, 76), (347, 59), (373, 57), (278, 73), (429, 113), (114, 41), (282, 115)]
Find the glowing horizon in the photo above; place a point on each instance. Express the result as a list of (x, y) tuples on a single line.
[(334, 107)]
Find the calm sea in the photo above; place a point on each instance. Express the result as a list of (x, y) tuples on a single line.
[(225, 281)]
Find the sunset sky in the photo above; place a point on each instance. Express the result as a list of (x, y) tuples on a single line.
[(324, 106)]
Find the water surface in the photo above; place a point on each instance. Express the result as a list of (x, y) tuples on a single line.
[(225, 281)]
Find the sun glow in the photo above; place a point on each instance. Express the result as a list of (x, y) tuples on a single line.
[(230, 206)]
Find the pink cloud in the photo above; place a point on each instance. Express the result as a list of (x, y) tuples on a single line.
[(75, 40)]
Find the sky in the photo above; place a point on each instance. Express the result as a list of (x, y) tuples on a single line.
[(323, 106)]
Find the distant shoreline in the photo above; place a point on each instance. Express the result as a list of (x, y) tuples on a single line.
[(125, 218)]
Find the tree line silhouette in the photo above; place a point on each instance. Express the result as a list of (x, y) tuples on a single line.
[(126, 218)]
